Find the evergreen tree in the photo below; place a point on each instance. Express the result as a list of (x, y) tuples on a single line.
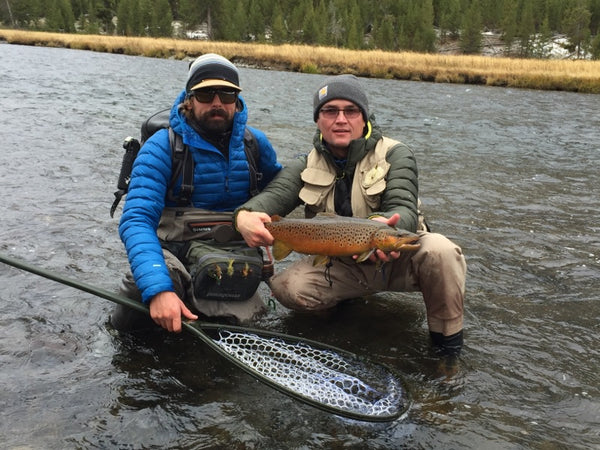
[(313, 32), (576, 25), (130, 19), (335, 28), (542, 41), (228, 19), (526, 29), (509, 24), (594, 8), (595, 47), (389, 24), (162, 18), (141, 16), (191, 13), (554, 12), (320, 24), (89, 20), (425, 37), (77, 7), (296, 19), (68, 16), (278, 30), (53, 16), (123, 18), (405, 25), (60, 17), (354, 35), (383, 33), (540, 12), (491, 13), (470, 34), (36, 12), (450, 19), (106, 10), (143, 21), (255, 21)]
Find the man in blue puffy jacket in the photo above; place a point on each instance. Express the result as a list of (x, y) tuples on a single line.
[(210, 116)]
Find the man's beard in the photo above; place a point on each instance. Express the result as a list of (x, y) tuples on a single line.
[(212, 121)]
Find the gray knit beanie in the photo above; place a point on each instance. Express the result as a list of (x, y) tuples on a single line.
[(212, 70), (345, 87)]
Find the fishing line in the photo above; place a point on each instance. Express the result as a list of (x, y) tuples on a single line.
[(323, 376)]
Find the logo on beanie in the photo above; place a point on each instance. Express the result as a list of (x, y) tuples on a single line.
[(322, 93)]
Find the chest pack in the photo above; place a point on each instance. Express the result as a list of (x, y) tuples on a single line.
[(220, 264), (183, 163)]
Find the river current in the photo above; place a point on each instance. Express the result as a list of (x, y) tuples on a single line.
[(510, 175)]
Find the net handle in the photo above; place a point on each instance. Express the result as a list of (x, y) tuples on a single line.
[(197, 329)]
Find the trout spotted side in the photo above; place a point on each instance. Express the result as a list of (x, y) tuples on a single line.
[(329, 236)]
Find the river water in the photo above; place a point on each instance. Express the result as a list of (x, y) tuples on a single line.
[(510, 175)]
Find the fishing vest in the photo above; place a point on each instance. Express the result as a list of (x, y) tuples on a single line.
[(368, 183)]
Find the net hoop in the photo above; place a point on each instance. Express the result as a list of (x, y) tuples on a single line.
[(323, 376)]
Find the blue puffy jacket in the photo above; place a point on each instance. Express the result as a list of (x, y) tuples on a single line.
[(219, 185)]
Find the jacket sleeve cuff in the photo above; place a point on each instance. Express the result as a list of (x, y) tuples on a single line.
[(235, 213)]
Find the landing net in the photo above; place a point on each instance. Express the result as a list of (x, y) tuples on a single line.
[(328, 378), (333, 381)]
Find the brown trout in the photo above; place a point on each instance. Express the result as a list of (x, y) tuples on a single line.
[(328, 236)]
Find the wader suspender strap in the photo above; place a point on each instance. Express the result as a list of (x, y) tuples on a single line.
[(183, 164), (252, 155)]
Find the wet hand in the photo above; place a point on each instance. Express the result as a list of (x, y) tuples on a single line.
[(379, 255), (392, 221), (166, 309), (251, 226)]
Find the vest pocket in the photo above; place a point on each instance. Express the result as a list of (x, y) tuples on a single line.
[(372, 194), (373, 183), (317, 185)]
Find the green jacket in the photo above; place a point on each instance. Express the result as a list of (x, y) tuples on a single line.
[(399, 196)]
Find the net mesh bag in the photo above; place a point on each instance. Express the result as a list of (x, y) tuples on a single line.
[(324, 377)]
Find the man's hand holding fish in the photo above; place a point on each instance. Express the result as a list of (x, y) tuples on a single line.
[(251, 226)]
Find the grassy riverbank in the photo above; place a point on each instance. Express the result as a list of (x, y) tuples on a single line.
[(566, 75)]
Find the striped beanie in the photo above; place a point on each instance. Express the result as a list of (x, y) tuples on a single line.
[(212, 70)]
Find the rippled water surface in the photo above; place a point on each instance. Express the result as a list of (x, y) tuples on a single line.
[(510, 175)]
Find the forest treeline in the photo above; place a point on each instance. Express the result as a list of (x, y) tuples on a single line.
[(526, 27)]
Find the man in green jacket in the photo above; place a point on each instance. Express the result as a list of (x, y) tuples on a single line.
[(353, 170)]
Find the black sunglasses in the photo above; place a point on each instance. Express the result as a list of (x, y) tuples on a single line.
[(207, 95)]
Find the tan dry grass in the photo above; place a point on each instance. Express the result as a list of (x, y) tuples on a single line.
[(569, 75)]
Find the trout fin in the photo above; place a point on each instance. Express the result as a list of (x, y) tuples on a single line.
[(364, 256), (280, 250), (321, 260)]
